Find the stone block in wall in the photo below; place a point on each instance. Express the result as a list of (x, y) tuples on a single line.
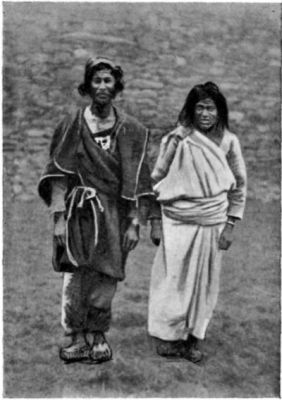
[(147, 84)]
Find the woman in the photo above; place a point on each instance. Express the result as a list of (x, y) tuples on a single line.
[(97, 185), (200, 182)]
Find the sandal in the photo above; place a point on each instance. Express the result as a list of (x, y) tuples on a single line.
[(101, 351), (78, 350)]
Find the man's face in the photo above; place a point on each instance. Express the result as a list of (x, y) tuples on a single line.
[(205, 115), (103, 87)]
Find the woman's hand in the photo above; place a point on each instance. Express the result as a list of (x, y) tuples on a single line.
[(131, 237), (60, 228), (156, 231), (226, 237)]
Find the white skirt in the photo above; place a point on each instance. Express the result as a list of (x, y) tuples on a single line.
[(185, 280)]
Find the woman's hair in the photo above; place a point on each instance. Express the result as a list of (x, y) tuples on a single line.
[(200, 92), (94, 65)]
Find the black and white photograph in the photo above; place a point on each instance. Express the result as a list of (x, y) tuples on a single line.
[(141, 203)]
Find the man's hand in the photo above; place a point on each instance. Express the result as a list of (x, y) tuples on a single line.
[(156, 231), (226, 237), (60, 228), (131, 237)]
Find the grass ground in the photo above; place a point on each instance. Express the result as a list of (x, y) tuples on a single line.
[(164, 49), (241, 348)]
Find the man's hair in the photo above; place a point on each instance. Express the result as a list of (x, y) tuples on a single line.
[(200, 92), (94, 65)]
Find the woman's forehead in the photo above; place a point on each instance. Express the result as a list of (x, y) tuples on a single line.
[(206, 102)]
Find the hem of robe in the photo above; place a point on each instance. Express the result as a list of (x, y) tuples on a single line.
[(185, 280)]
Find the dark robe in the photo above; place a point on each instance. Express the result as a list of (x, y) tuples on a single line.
[(102, 186)]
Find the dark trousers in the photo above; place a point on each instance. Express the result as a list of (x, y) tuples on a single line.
[(86, 301)]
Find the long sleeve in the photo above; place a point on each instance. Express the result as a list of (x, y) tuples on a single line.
[(59, 188), (237, 196), (133, 214), (51, 173), (154, 209), (167, 150), (146, 208), (166, 153)]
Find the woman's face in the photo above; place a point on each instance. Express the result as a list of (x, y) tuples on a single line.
[(205, 115), (103, 87)]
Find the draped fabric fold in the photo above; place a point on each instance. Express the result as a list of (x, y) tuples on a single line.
[(101, 185), (199, 170), (185, 280), (200, 211), (194, 181), (85, 216), (124, 172)]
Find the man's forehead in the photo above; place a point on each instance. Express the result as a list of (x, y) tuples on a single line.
[(103, 72)]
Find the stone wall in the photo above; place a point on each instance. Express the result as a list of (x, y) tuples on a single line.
[(164, 49)]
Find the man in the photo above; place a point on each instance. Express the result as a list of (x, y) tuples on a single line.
[(97, 185)]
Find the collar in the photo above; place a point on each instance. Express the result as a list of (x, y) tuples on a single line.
[(93, 118)]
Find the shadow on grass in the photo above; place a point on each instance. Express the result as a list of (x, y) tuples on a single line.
[(130, 319)]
